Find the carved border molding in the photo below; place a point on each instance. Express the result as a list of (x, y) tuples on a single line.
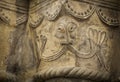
[(21, 19), (13, 7), (103, 10), (74, 72), (40, 5), (101, 3), (7, 19), (104, 3)]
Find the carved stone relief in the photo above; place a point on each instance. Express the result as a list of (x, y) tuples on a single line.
[(59, 40)]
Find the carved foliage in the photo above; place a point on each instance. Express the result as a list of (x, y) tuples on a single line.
[(77, 9), (55, 7), (35, 20), (108, 16)]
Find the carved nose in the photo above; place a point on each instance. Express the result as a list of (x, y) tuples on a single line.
[(67, 40)]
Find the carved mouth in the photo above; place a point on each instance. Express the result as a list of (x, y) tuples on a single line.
[(67, 43)]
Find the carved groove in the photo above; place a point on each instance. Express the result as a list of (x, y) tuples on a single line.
[(109, 4), (12, 7), (41, 6), (21, 19)]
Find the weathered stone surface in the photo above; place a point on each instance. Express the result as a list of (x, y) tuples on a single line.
[(60, 40)]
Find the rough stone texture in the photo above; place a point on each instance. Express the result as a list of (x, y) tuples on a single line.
[(59, 40)]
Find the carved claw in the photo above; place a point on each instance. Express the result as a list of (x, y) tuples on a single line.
[(43, 41), (97, 38), (40, 48)]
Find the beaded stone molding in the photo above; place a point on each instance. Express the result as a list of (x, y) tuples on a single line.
[(82, 9), (10, 9)]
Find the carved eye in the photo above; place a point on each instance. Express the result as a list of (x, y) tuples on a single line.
[(61, 29), (71, 26)]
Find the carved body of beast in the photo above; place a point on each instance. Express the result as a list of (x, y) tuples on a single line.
[(67, 34), (95, 43)]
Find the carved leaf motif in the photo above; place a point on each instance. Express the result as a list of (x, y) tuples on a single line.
[(53, 10), (35, 20), (108, 16), (79, 9)]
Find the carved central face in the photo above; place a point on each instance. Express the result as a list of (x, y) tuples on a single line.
[(54, 36), (66, 32)]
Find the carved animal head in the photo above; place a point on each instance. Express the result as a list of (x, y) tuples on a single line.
[(66, 32)]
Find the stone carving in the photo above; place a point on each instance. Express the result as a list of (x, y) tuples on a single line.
[(7, 18), (76, 9), (66, 38), (95, 45), (56, 7), (59, 40), (108, 16), (34, 23)]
